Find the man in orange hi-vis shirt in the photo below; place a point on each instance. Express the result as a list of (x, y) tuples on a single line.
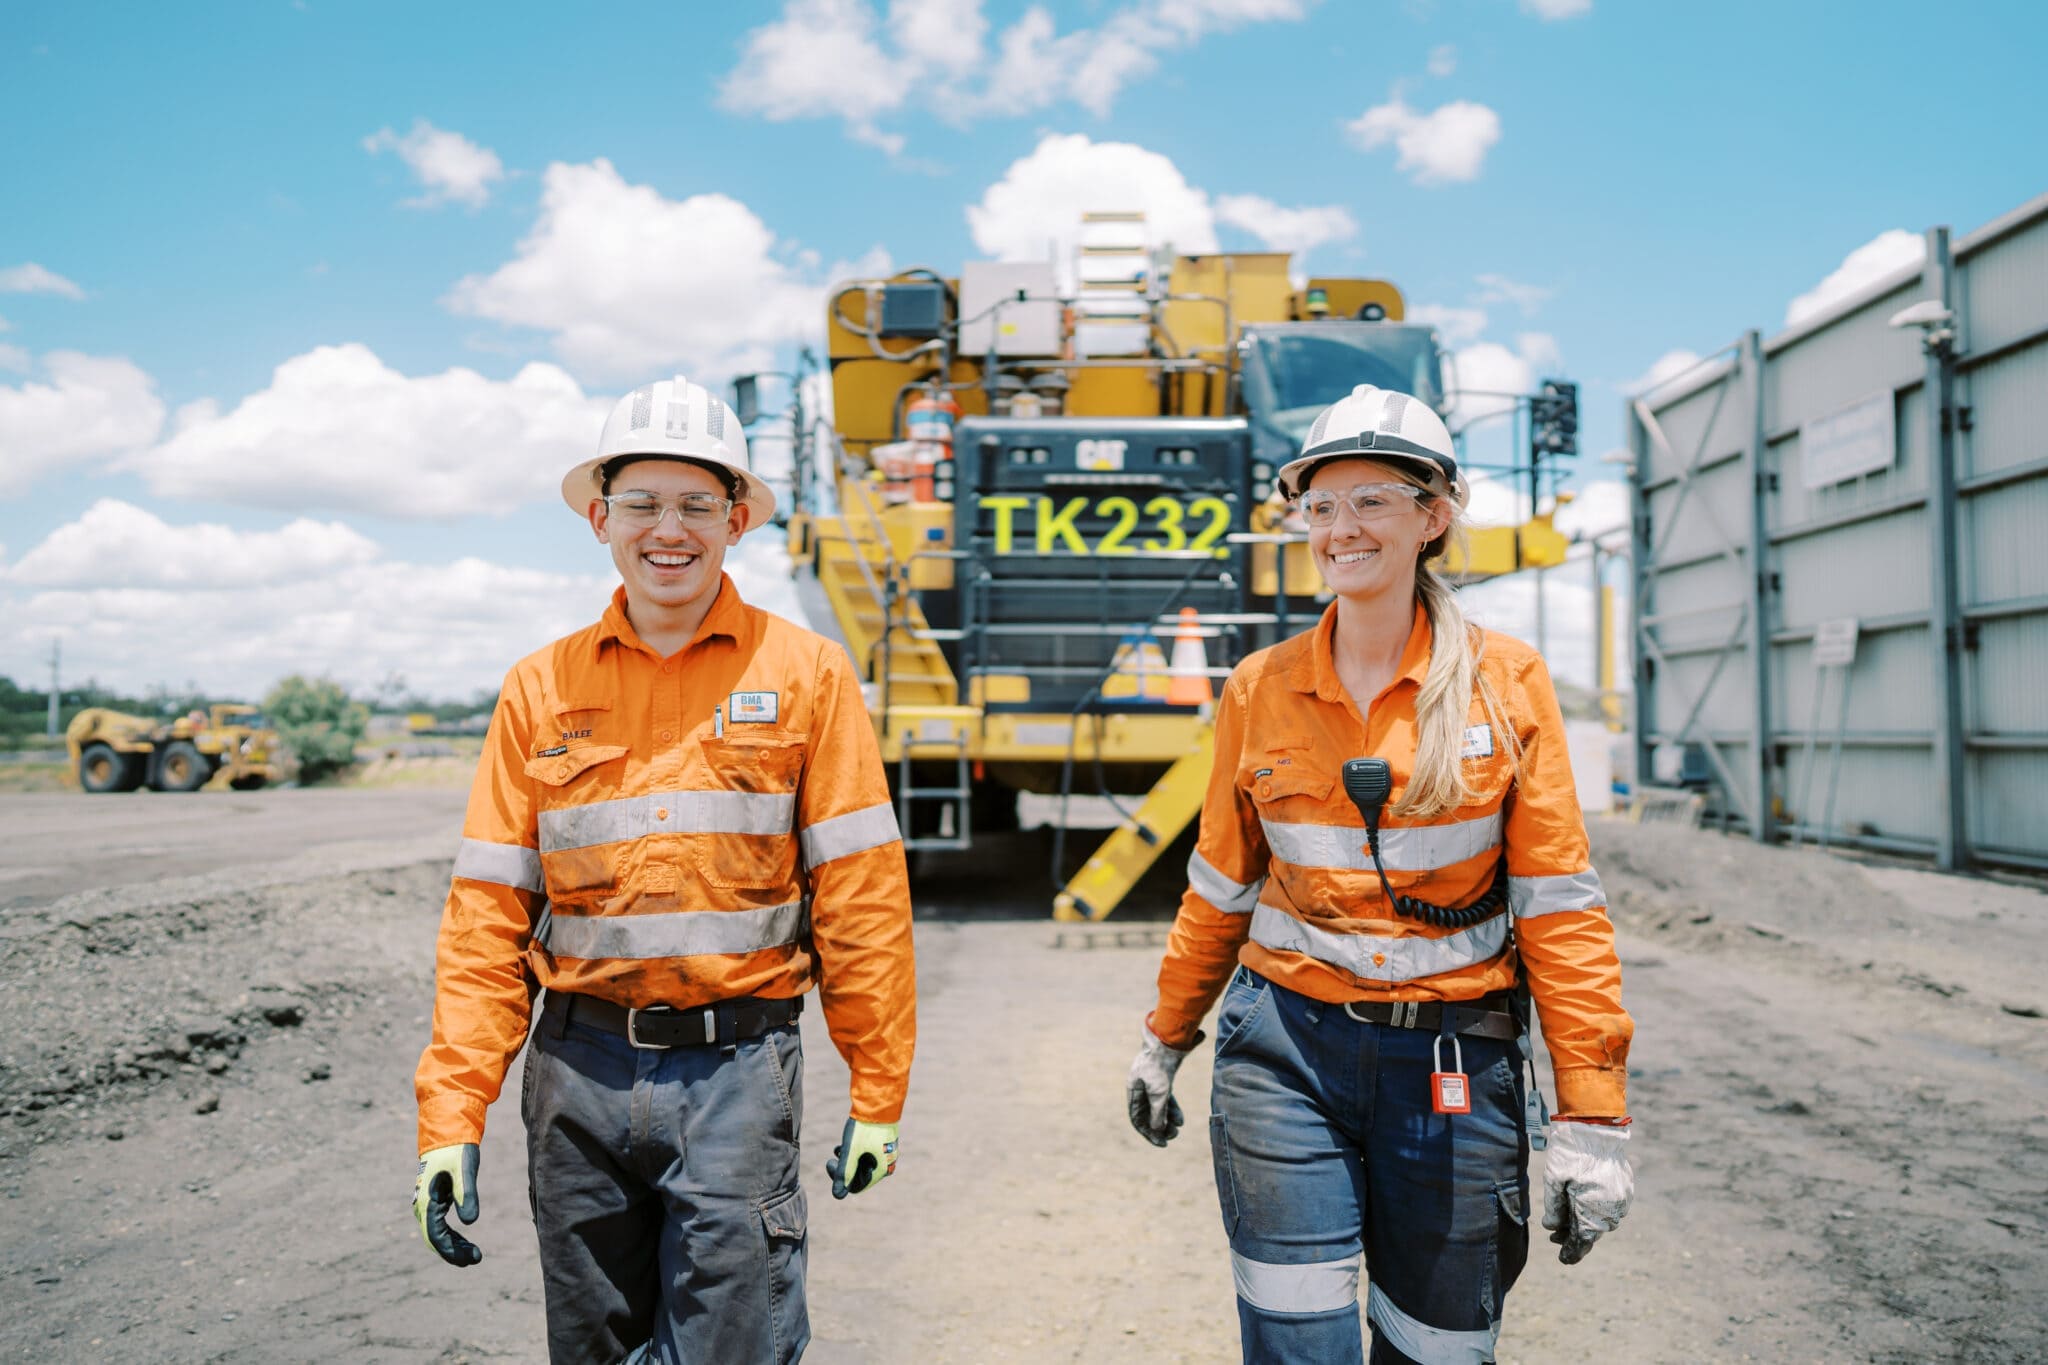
[(679, 826)]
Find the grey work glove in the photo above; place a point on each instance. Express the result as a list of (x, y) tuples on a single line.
[(447, 1183), (1587, 1185), (1155, 1113)]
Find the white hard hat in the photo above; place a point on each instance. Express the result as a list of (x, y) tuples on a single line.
[(1371, 423), (674, 419)]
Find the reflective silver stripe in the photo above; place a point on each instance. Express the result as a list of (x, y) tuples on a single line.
[(1312, 1287), (686, 933), (1232, 898), (1548, 895), (1406, 959), (542, 922), (513, 865), (1412, 848), (688, 812), (1424, 1344), (853, 832)]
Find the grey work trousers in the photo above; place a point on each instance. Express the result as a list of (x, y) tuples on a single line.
[(664, 1191)]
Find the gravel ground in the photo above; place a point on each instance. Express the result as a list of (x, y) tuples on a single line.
[(210, 1008)]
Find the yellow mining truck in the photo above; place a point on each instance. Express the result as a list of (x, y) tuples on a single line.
[(1043, 518), (228, 746)]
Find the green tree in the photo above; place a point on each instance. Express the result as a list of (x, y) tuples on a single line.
[(318, 721)]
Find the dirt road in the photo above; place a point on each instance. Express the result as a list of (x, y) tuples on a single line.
[(210, 1009)]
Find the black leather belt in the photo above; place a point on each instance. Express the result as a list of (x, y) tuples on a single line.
[(662, 1027), (1488, 1017)]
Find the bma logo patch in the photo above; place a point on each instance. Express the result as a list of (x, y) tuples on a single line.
[(1478, 742), (762, 708)]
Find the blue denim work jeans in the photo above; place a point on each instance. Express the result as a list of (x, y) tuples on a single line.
[(1328, 1155), (664, 1190)]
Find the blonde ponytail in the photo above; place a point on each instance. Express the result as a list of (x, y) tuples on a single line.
[(1445, 701)]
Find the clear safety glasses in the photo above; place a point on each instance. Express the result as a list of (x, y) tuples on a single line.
[(1369, 502), (645, 510)]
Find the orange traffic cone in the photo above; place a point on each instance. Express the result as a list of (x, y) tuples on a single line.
[(1188, 671)]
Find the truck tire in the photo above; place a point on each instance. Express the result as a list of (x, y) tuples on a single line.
[(102, 768), (180, 767)]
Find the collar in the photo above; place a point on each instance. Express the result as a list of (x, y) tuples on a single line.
[(1316, 668), (727, 617)]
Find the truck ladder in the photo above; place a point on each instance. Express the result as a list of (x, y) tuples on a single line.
[(1131, 849), (957, 796)]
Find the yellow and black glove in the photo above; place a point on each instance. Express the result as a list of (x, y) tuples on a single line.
[(447, 1181), (866, 1155)]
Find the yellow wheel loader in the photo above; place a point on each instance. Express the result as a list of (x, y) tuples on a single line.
[(228, 746)]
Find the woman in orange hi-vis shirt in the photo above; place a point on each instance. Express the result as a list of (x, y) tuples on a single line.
[(1391, 855)]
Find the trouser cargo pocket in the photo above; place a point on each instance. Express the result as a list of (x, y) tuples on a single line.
[(783, 1219)]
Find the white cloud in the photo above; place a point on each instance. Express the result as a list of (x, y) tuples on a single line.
[(1885, 254), (91, 408), (628, 282), (450, 629), (822, 59), (935, 53), (1501, 289), (15, 359), (33, 279), (5, 325), (1540, 349), (1036, 208), (1456, 326), (1550, 10), (1282, 228), (1041, 198), (1662, 371), (1443, 60), (450, 167), (1483, 372), (1445, 145), (118, 545), (338, 428)]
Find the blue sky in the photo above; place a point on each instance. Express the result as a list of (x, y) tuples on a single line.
[(463, 229)]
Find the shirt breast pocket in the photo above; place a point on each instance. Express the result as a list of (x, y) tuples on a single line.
[(1292, 801), (754, 780), (579, 818)]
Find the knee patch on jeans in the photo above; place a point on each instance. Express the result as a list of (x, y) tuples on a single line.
[(1302, 1287)]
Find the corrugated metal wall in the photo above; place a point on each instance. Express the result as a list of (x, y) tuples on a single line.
[(1935, 739)]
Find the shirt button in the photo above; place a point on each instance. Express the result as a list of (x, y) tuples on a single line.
[(665, 735), (1379, 959), (1265, 789), (668, 668), (661, 812)]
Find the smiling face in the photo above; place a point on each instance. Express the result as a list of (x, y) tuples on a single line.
[(669, 568), (1361, 559)]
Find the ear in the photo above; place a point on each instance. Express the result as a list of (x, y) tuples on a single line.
[(1440, 513), (598, 512), (736, 524)]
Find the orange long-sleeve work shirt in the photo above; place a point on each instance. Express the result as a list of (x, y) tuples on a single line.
[(623, 843), (1281, 879)]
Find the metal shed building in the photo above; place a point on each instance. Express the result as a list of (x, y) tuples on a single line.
[(1841, 551)]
